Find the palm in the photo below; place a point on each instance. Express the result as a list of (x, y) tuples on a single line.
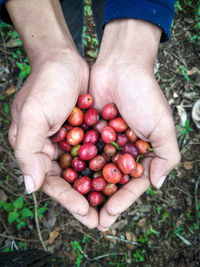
[(142, 104), (38, 111)]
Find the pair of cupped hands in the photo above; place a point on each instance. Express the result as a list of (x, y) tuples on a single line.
[(48, 97)]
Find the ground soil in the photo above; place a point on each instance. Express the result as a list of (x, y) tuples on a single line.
[(164, 222)]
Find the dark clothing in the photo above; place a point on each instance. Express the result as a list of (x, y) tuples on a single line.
[(159, 12)]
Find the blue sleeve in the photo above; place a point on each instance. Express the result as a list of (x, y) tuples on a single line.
[(159, 12)]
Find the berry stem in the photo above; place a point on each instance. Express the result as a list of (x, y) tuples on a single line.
[(116, 145)]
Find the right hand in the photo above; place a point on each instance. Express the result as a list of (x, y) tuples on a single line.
[(38, 111)]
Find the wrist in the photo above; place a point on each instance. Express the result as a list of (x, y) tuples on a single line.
[(41, 27), (129, 41)]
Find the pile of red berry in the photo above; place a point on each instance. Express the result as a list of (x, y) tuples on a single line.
[(101, 152)]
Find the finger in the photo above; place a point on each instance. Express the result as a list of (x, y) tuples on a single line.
[(32, 131), (12, 134), (124, 198), (61, 191), (90, 220), (97, 87), (166, 151)]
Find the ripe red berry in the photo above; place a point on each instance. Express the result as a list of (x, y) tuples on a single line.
[(125, 179), (116, 157), (126, 163), (97, 163), (109, 111), (121, 139), (69, 175), (106, 157), (65, 160), (95, 198), (110, 189), (67, 127), (91, 137), (131, 135), (75, 136), (83, 185), (118, 124), (98, 183), (111, 173), (85, 101), (87, 151), (76, 117), (131, 149), (100, 125), (138, 171), (59, 135), (142, 146), (91, 116), (108, 134), (78, 164), (64, 146), (85, 127)]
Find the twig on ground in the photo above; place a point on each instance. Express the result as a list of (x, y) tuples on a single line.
[(123, 240), (20, 239), (99, 257), (196, 198), (7, 190), (37, 223)]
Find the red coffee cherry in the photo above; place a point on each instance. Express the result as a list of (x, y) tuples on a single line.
[(83, 185), (85, 101), (109, 111), (111, 173), (87, 151)]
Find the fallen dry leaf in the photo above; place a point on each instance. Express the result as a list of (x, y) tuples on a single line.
[(111, 232), (192, 71), (182, 114), (187, 165), (11, 90), (52, 236), (142, 222), (13, 43), (128, 236)]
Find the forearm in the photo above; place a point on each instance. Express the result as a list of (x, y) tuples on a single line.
[(41, 27), (130, 41)]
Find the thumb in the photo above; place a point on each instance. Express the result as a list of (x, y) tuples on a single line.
[(32, 131), (167, 154)]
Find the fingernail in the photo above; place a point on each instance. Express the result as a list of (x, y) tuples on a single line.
[(29, 184), (160, 182)]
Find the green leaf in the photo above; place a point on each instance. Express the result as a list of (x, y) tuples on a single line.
[(12, 216), (7, 206), (26, 212), (20, 225), (40, 211), (18, 203), (184, 131)]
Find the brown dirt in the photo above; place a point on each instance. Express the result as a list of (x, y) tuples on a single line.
[(171, 212)]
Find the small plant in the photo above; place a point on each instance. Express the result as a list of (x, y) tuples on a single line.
[(138, 255), (150, 191), (24, 70), (17, 211), (76, 247), (186, 128)]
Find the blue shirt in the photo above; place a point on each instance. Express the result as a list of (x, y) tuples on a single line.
[(159, 12)]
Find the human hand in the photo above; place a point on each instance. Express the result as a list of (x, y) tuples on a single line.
[(58, 76), (38, 111), (123, 74)]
